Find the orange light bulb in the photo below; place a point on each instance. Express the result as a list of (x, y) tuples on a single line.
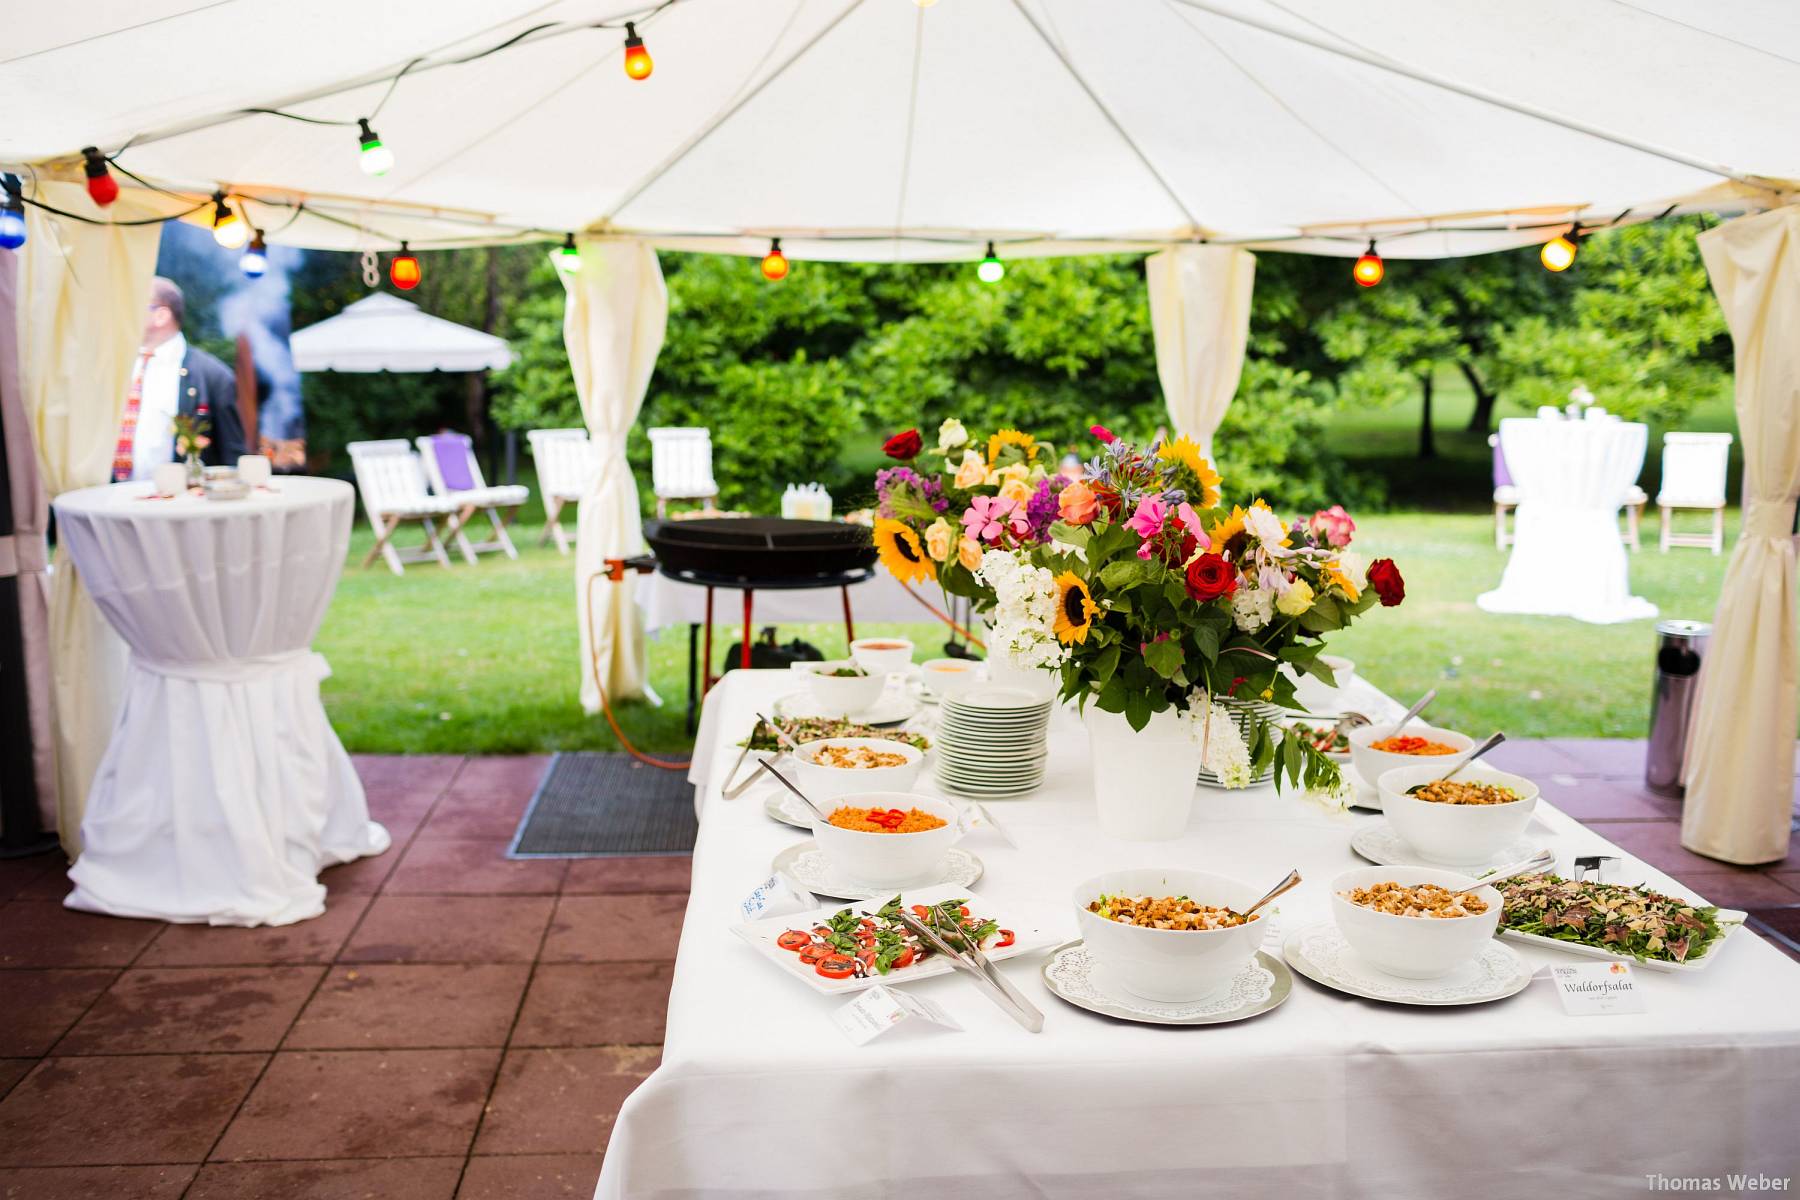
[(1369, 269), (775, 264), (638, 63), (404, 270)]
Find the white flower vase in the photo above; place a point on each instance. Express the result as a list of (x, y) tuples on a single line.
[(1244, 714), (1143, 779)]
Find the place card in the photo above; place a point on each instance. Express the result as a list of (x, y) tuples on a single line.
[(776, 897), (980, 820), (878, 1009), (1597, 989)]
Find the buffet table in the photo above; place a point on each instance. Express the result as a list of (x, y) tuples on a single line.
[(224, 790), (759, 1095), (1567, 557)]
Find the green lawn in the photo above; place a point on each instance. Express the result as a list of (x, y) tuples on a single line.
[(483, 659)]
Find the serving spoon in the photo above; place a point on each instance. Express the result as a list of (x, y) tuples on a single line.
[(823, 816), (1493, 739), (1415, 710), (1286, 885)]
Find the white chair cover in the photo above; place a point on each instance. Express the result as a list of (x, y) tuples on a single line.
[(564, 461), (681, 463), (224, 789), (1567, 559)]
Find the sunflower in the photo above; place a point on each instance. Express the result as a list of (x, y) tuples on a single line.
[(901, 552), (1012, 437), (1185, 451), (1339, 579), (1075, 609), (1228, 535)]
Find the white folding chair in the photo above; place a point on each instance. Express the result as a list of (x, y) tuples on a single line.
[(564, 463), (455, 475), (391, 482), (681, 466), (1693, 476), (1635, 500)]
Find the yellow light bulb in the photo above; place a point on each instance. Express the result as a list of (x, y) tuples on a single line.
[(228, 228), (1558, 253)]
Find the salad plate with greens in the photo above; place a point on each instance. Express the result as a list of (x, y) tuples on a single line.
[(848, 947), (1614, 920)]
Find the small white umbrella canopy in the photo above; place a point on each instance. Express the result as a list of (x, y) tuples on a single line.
[(385, 333)]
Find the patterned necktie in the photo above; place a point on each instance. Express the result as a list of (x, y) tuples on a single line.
[(134, 400)]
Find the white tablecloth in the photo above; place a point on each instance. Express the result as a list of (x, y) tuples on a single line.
[(1567, 557), (1326, 1097), (667, 602), (224, 789)]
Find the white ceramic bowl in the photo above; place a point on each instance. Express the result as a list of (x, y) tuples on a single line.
[(952, 677), (882, 655), (1371, 763), (842, 695), (824, 783), (1456, 834), (1341, 668), (1413, 947), (1172, 966), (889, 859)]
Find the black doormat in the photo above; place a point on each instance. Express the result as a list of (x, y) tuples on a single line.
[(593, 805)]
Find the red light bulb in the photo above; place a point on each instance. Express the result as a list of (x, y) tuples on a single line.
[(403, 270), (100, 184), (775, 264), (1369, 269), (638, 63)]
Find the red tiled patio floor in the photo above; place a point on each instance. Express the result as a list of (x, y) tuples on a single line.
[(455, 1025)]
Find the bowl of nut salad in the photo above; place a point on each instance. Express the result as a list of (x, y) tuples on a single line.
[(1171, 936), (1458, 822), (1415, 922)]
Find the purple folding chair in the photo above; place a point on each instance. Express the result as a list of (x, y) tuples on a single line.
[(1506, 494), (454, 474)]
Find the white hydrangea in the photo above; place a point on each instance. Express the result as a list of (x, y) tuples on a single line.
[(1024, 617), (1252, 608), (1222, 746)]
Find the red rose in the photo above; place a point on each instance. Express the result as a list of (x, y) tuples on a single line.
[(1209, 577), (1106, 436), (903, 446), (1384, 577)]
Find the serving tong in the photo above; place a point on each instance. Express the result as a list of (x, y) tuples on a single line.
[(735, 787), (977, 964)]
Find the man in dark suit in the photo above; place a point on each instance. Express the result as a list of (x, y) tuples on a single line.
[(173, 377)]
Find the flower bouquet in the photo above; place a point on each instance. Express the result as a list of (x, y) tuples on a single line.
[(1175, 616), (190, 439), (941, 509)]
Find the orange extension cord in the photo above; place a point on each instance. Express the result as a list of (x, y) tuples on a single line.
[(615, 573)]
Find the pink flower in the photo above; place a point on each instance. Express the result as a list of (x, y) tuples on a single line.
[(1332, 526), (1106, 436), (991, 517), (1148, 520), (1190, 520)]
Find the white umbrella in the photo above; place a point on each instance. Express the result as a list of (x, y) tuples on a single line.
[(385, 333)]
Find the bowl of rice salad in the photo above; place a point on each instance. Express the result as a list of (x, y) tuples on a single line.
[(888, 839)]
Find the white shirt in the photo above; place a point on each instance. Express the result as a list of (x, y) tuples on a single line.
[(161, 400)]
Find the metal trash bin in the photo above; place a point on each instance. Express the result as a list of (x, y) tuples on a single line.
[(1680, 647)]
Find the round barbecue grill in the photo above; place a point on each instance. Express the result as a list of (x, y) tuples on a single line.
[(761, 552), (752, 553)]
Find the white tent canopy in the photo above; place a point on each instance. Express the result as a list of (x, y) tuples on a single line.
[(880, 130), (385, 333)]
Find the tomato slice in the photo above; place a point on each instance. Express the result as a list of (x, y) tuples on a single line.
[(835, 966), (793, 939), (905, 959), (919, 910), (1006, 939), (813, 953)]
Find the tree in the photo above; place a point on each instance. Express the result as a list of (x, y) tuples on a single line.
[(1639, 327)]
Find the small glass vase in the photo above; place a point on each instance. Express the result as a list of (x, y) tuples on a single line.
[(196, 471)]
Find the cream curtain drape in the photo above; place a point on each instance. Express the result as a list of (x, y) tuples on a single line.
[(1740, 766), (1200, 318), (82, 295), (613, 321)]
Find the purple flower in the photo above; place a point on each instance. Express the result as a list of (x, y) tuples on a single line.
[(1041, 510), (892, 483)]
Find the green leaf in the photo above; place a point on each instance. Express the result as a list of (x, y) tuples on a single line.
[(1112, 695), (1105, 663), (1122, 574), (1165, 657), (1138, 709)]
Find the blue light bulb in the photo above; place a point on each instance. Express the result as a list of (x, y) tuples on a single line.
[(12, 228)]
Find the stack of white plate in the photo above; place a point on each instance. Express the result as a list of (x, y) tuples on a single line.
[(992, 742)]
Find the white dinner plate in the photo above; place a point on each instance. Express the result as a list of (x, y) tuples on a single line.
[(762, 935), (1073, 976), (809, 867), (894, 707), (1321, 953), (1377, 842)]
